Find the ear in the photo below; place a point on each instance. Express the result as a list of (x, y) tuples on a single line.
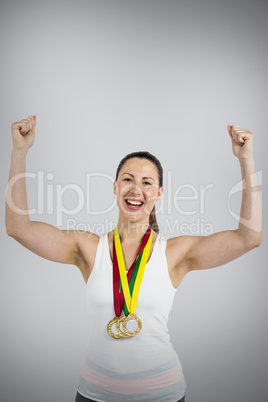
[(160, 193), (114, 187)]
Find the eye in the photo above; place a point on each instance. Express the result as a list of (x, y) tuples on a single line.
[(147, 182), (127, 178)]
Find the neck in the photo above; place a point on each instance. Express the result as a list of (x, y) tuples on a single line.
[(131, 231)]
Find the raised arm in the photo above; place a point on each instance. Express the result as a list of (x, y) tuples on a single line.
[(202, 252), (47, 241)]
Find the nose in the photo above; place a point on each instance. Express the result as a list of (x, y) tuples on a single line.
[(135, 190)]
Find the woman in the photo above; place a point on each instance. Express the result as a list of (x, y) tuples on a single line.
[(129, 355)]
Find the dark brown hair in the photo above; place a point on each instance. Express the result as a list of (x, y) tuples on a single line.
[(145, 155)]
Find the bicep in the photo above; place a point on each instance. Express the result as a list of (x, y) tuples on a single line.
[(49, 242), (203, 252)]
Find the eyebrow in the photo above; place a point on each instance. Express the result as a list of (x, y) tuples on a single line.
[(146, 177)]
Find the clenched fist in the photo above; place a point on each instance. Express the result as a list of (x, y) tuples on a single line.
[(23, 133), (242, 142)]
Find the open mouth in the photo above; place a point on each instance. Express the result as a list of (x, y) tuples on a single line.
[(133, 205)]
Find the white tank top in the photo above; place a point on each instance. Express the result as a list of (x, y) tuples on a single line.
[(140, 368)]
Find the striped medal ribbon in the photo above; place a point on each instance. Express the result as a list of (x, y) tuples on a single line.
[(126, 286)]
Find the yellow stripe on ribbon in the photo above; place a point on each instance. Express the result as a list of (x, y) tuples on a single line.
[(131, 302), (122, 268)]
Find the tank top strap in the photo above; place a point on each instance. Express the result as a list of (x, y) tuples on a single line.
[(102, 254), (162, 265), (162, 242), (160, 246), (105, 248)]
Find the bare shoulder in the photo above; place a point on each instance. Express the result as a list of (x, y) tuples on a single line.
[(87, 244), (176, 252)]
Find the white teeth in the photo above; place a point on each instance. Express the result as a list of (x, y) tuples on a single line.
[(134, 202)]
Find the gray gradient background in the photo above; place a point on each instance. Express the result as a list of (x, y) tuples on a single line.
[(106, 78)]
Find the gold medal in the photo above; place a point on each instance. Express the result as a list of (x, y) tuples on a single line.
[(109, 328), (118, 329), (127, 319)]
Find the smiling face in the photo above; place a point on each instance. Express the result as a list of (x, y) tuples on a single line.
[(137, 189)]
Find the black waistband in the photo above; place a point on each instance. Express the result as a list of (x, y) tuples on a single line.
[(80, 398)]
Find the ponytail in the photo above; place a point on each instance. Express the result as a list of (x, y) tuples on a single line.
[(152, 221)]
